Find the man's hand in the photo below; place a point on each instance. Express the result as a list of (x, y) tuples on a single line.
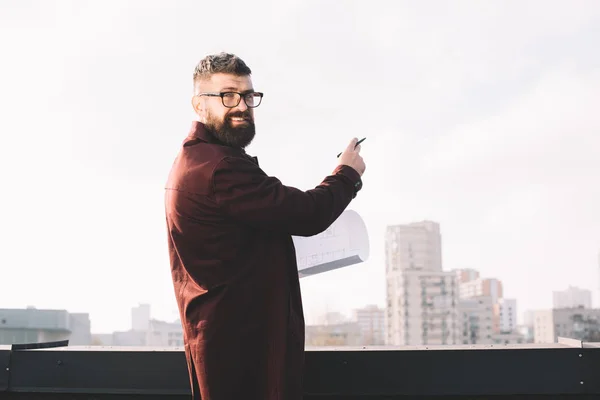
[(352, 158)]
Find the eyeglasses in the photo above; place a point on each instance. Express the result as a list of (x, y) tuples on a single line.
[(232, 99)]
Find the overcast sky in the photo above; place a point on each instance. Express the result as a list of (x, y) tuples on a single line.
[(482, 116)]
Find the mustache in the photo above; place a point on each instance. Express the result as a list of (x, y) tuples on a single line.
[(240, 114)]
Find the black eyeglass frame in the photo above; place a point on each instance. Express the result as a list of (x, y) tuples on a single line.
[(240, 96)]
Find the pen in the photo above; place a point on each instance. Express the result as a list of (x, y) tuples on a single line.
[(357, 143)]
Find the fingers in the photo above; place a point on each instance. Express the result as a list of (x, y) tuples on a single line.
[(352, 144)]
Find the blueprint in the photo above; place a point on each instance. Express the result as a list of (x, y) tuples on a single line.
[(344, 243)]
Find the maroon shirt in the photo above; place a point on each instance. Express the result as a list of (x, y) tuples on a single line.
[(234, 268)]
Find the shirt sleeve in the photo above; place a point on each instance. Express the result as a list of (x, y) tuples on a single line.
[(245, 193)]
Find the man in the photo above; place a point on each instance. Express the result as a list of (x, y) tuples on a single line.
[(232, 256)]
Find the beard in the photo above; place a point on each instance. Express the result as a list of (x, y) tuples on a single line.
[(233, 136)]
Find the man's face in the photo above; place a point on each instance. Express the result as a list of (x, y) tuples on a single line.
[(232, 126)]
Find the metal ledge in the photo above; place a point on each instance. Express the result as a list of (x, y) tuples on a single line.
[(560, 371)]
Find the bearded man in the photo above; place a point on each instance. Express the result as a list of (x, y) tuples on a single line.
[(232, 257)]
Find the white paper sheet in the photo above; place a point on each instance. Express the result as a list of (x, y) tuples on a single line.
[(344, 243)]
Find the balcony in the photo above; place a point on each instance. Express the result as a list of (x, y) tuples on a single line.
[(566, 370)]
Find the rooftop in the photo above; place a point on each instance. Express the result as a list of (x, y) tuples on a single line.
[(565, 370)]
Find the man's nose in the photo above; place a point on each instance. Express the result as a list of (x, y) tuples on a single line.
[(242, 105)]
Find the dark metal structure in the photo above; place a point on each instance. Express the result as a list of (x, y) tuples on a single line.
[(567, 370)]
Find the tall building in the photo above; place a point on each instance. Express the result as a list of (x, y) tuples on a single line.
[(416, 246), (572, 297), (421, 298), (371, 320)]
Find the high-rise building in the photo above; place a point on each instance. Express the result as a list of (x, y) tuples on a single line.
[(416, 246), (421, 298), (572, 297)]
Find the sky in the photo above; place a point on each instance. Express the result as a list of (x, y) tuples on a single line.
[(481, 116)]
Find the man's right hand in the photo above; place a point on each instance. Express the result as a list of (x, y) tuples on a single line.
[(352, 158)]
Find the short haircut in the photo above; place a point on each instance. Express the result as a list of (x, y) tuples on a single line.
[(224, 63)]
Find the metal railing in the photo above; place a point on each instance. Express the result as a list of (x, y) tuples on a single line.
[(567, 369)]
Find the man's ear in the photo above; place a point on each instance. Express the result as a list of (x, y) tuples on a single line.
[(199, 106)]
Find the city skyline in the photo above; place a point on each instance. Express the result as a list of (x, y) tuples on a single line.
[(521, 316), (475, 117)]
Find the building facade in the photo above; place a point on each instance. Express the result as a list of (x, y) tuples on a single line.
[(486, 316), (482, 287), (466, 275), (371, 320), (415, 246), (166, 334), (515, 337), (505, 316), (476, 320), (339, 334), (422, 299), (30, 325), (574, 323)]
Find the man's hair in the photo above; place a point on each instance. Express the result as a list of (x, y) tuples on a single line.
[(225, 63)]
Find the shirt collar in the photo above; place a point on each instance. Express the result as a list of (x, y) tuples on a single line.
[(198, 131)]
